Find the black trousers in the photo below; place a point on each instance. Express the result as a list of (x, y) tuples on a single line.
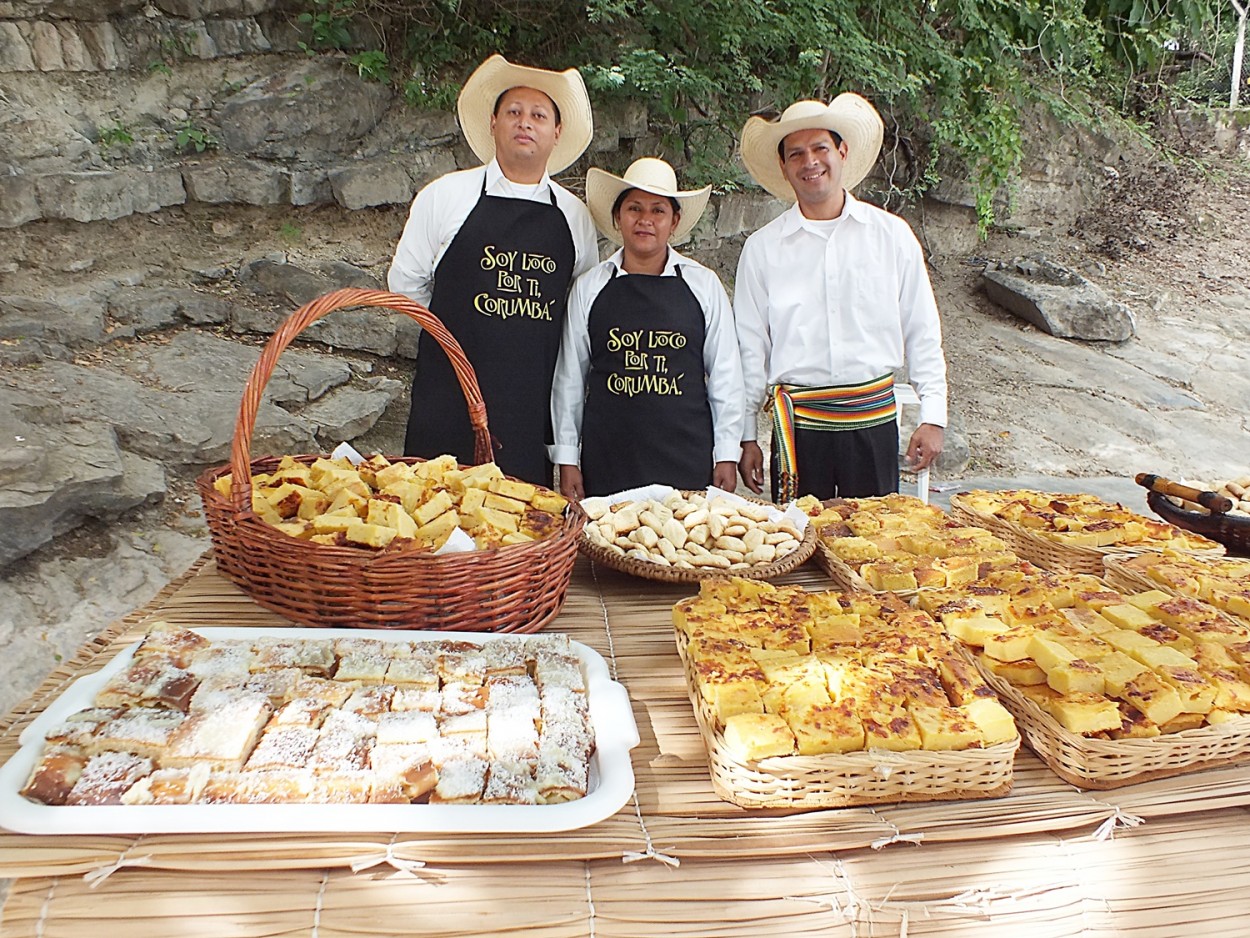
[(844, 463)]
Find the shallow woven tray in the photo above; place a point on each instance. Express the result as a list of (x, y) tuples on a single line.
[(518, 588), (653, 571), (855, 778), (1113, 763), (1048, 554), (1233, 531)]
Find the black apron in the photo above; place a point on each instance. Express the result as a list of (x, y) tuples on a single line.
[(647, 417), (501, 289)]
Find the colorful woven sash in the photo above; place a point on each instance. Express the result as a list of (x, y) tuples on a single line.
[(837, 407)]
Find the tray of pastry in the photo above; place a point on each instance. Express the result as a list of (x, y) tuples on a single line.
[(285, 730)]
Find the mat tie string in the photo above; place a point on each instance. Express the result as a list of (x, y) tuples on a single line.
[(1106, 830), (93, 878), (42, 923), (898, 837), (633, 856), (388, 857)]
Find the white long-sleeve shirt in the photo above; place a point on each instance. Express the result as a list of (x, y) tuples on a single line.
[(440, 209), (720, 358), (823, 303)]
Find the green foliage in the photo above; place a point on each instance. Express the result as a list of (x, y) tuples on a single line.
[(117, 135), (159, 66), (190, 136), (951, 77), (290, 232), (372, 66), (329, 22)]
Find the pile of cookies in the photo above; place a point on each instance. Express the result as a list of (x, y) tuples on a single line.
[(1235, 490), (692, 532)]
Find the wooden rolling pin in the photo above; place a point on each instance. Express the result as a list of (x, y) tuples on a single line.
[(1208, 500)]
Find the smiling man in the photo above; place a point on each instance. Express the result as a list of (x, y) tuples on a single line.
[(831, 298), (492, 251)]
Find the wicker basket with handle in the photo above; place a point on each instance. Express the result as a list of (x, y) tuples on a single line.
[(518, 588)]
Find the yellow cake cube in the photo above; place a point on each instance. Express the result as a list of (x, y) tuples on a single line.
[(753, 736), (825, 728), (1085, 713), (1077, 676), (1196, 694), (890, 728), (993, 721), (1024, 673), (945, 728), (1153, 697), (1011, 644), (1127, 616), (1117, 670)]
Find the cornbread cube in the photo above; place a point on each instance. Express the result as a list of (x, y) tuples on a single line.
[(1221, 630), (1090, 621), (1023, 673), (960, 679), (1196, 694), (1048, 653), (1077, 676), (1011, 644), (1179, 609), (974, 630), (1127, 616), (1117, 670), (1148, 600), (478, 477), (1085, 713), (1129, 642), (945, 728), (854, 550), (1232, 692), (889, 575), (550, 502), (1161, 655), (731, 699), (889, 727), (1134, 725), (825, 728), (369, 535), (993, 721), (1152, 696), (1182, 722), (1097, 600), (753, 736)]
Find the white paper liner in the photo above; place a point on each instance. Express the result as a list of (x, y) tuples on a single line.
[(660, 492)]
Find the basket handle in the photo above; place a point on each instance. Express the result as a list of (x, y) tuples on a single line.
[(301, 319), (1209, 500)]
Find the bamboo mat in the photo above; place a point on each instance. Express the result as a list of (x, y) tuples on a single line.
[(674, 814), (1178, 876)]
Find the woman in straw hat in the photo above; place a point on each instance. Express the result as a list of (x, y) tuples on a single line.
[(492, 252), (831, 298), (648, 387)]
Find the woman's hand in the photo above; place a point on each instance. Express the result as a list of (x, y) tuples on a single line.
[(571, 486), (725, 476)]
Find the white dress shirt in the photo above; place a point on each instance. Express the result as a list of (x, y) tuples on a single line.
[(722, 369), (440, 209), (819, 304)]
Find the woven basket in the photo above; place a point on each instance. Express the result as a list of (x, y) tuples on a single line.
[(847, 578), (876, 776), (1232, 531), (655, 571), (1129, 580), (1113, 763), (518, 588), (1046, 553)]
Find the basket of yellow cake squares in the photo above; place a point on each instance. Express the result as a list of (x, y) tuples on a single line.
[(1108, 688), (387, 543), (1224, 582), (901, 544), (818, 700), (1072, 533)]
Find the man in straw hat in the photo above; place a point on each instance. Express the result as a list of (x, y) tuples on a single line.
[(831, 298), (648, 387), (492, 252)]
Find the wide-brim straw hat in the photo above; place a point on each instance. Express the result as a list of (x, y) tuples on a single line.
[(650, 175), (848, 115), (495, 76)]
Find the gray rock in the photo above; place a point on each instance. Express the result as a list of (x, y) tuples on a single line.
[(312, 106), (19, 202), (199, 9), (286, 281), (90, 196), (135, 310), (105, 47), (45, 46), (348, 413), (237, 37), (343, 274), (15, 54), (75, 471), (73, 52), (428, 165), (70, 320), (311, 186), (1058, 301), (242, 182), (358, 187), (745, 212)]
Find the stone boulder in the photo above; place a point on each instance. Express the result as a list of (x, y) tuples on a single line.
[(314, 106), (1058, 301)]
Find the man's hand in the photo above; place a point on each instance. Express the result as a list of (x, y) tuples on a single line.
[(751, 465), (725, 476), (925, 446), (571, 486)]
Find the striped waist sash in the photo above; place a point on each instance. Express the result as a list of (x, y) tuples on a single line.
[(836, 407)]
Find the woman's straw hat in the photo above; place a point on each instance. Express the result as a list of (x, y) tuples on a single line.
[(650, 175)]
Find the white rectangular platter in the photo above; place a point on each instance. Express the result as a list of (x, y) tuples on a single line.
[(610, 784)]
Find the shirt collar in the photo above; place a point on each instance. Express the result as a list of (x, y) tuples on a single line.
[(793, 216), (494, 174), (674, 260)]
